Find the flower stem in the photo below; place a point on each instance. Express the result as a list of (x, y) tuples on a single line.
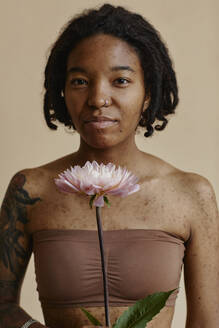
[(105, 284)]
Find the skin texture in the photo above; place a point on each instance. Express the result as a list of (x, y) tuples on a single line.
[(170, 199), (15, 250), (86, 92), (14, 215)]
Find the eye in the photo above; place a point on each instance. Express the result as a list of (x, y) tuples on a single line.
[(78, 82), (122, 81)]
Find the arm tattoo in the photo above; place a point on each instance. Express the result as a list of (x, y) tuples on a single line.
[(14, 216)]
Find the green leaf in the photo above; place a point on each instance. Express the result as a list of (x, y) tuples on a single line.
[(92, 200), (106, 200), (92, 319), (139, 314)]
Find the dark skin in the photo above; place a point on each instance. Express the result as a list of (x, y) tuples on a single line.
[(116, 75), (15, 250), (169, 199)]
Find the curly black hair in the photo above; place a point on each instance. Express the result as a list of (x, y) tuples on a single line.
[(159, 76)]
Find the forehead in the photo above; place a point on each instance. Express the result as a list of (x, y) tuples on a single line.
[(103, 49)]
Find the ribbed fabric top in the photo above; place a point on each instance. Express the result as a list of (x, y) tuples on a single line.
[(139, 262)]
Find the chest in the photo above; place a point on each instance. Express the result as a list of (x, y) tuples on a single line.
[(156, 206)]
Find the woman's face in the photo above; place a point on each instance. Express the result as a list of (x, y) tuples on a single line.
[(101, 69)]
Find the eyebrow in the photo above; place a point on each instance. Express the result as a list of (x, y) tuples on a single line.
[(78, 69), (122, 68)]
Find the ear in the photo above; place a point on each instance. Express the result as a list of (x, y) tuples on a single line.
[(146, 102)]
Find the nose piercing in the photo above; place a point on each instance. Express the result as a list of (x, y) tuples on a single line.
[(106, 103)]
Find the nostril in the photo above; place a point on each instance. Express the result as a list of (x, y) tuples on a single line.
[(98, 103)]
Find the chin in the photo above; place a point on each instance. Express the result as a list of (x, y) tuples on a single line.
[(101, 142), (101, 145)]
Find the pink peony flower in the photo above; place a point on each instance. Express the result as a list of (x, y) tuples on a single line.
[(98, 181)]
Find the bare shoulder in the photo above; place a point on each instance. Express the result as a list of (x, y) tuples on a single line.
[(32, 178), (198, 187), (199, 192), (192, 192), (204, 198), (38, 179), (194, 183)]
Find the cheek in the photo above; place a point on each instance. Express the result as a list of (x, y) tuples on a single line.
[(131, 111), (133, 100), (73, 105)]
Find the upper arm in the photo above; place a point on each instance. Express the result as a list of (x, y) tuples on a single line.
[(201, 263), (15, 242)]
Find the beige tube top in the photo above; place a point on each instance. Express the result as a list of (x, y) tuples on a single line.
[(138, 263)]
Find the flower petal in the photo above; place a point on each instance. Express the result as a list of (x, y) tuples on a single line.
[(65, 186), (99, 202), (101, 179)]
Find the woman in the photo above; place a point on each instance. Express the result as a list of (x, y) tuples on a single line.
[(108, 73)]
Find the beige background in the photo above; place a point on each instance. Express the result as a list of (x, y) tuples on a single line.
[(190, 141)]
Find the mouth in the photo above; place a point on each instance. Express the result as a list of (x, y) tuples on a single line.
[(101, 124)]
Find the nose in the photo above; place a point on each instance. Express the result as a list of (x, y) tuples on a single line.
[(99, 96)]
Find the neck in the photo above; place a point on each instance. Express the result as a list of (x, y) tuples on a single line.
[(125, 155)]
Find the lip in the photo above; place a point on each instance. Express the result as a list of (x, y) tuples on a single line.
[(99, 119), (101, 124)]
